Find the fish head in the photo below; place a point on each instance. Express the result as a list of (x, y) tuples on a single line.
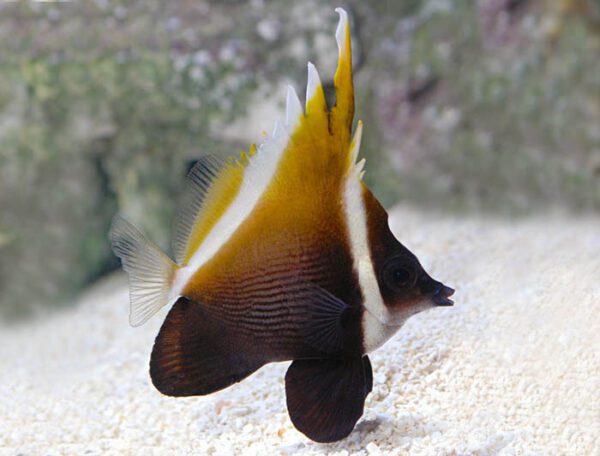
[(406, 287)]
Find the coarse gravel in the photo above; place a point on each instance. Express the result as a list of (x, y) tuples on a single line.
[(512, 369)]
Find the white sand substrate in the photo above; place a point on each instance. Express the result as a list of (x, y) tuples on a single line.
[(512, 369)]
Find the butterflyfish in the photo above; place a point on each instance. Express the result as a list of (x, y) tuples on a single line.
[(281, 254)]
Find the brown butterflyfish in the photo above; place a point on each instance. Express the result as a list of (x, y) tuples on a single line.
[(281, 254)]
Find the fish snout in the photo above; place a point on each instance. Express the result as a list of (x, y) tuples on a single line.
[(441, 297), (436, 291)]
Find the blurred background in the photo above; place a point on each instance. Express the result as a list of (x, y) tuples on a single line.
[(489, 106)]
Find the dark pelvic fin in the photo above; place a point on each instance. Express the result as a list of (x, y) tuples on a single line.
[(325, 397), (197, 354), (323, 327)]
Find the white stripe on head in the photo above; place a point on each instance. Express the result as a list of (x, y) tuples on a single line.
[(375, 333), (356, 219)]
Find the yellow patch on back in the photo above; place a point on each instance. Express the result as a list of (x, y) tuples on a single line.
[(319, 152), (300, 210)]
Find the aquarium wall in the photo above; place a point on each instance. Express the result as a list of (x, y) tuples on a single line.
[(469, 106)]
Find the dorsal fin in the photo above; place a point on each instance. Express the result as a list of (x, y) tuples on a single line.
[(316, 106), (323, 137), (310, 150), (199, 180), (212, 183)]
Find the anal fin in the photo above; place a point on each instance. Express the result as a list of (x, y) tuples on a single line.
[(196, 353), (325, 397)]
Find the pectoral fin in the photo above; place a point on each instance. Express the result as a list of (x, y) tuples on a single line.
[(325, 397), (196, 353), (322, 327)]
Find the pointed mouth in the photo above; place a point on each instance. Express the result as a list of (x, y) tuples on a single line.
[(442, 295)]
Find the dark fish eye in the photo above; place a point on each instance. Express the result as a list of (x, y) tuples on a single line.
[(399, 274)]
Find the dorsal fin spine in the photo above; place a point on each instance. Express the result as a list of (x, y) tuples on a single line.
[(293, 109), (315, 97), (343, 111)]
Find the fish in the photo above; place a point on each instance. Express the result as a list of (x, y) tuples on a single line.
[(281, 254)]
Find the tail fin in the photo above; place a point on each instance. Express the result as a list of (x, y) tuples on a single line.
[(150, 270)]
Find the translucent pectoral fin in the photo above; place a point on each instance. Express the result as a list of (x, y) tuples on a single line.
[(325, 397)]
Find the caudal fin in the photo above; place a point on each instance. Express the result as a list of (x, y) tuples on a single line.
[(150, 270)]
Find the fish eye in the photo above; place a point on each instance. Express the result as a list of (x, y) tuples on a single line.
[(399, 274)]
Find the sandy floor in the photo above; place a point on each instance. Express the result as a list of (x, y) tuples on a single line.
[(513, 368)]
